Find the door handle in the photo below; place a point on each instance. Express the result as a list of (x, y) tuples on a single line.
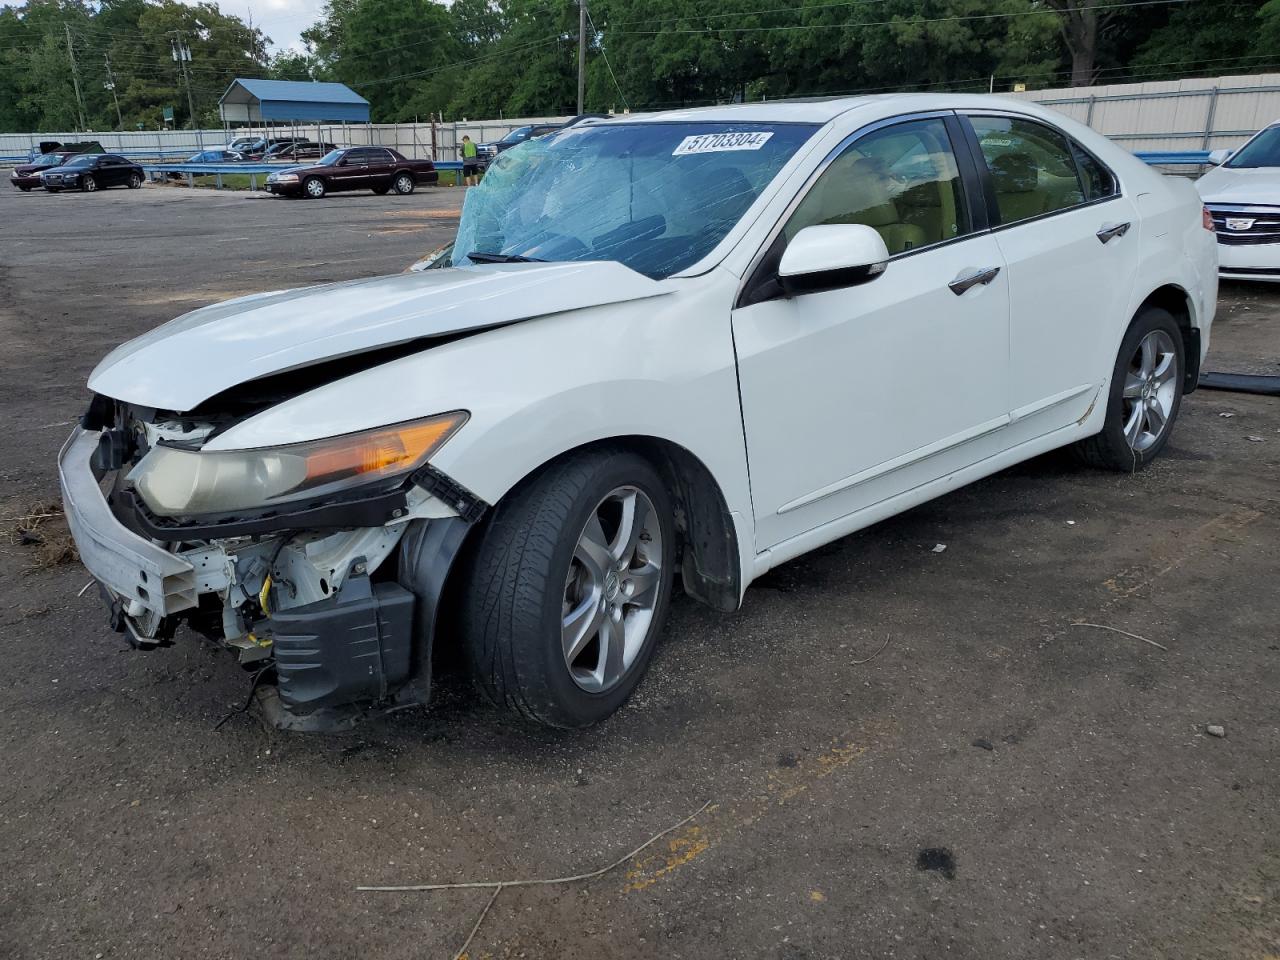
[(973, 278), (1109, 231)]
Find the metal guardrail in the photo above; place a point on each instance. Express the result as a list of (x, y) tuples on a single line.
[(253, 170), (1174, 157)]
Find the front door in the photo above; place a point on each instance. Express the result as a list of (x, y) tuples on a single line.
[(853, 395)]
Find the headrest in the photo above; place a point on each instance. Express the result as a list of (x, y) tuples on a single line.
[(1015, 173)]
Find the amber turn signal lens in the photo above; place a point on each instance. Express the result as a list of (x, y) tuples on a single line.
[(382, 452)]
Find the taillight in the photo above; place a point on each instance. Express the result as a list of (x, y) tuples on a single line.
[(1208, 220)]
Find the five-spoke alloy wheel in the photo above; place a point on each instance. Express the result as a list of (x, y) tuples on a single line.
[(1146, 392), (565, 586), (611, 589)]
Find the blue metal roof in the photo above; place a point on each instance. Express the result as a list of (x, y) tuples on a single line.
[(294, 100)]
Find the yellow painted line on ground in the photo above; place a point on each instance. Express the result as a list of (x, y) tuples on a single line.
[(777, 789)]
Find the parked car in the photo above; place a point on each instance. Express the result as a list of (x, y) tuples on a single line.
[(307, 150), (216, 156), (27, 176), (90, 172), (487, 151), (258, 149), (1242, 193), (242, 144), (53, 146), (684, 346), (379, 169)]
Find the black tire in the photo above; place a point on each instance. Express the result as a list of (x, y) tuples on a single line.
[(24, 188), (383, 190), (135, 180), (313, 188), (1109, 449), (88, 184), (402, 183), (514, 586), (53, 189)]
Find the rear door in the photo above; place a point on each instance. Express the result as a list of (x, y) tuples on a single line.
[(379, 168), (1070, 242), (112, 171)]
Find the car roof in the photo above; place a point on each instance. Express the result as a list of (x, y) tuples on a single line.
[(826, 109)]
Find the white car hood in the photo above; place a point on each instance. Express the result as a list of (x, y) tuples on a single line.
[(1257, 185), (184, 362)]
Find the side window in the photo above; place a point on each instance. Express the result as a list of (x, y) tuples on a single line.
[(901, 180), (377, 155), (359, 155), (1098, 181), (1031, 165)]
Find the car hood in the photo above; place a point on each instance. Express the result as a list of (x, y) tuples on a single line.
[(184, 362), (1241, 185)]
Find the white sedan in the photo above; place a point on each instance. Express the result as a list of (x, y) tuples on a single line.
[(683, 346), (1242, 193)]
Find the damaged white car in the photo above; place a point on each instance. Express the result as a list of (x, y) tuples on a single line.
[(686, 346)]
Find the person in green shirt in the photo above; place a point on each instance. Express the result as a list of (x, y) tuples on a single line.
[(470, 162)]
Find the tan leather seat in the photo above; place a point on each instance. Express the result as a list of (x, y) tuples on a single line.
[(1018, 193), (859, 190)]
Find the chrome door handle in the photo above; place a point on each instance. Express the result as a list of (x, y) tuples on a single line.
[(1109, 231), (973, 278)]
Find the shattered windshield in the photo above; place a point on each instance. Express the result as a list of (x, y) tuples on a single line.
[(656, 197)]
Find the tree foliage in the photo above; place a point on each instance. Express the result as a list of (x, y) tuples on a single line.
[(491, 58)]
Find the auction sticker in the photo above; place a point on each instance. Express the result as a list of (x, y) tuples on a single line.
[(721, 142)]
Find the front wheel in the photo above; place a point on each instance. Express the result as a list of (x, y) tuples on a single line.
[(24, 188), (1145, 396), (568, 587), (403, 184), (313, 187), (88, 184), (382, 190)]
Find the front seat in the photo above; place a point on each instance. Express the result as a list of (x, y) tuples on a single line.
[(864, 193)]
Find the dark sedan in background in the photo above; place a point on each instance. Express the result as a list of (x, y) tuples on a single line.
[(301, 150), (27, 176), (91, 172), (379, 169)]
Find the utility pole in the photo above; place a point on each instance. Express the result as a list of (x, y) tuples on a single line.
[(582, 52), (111, 85), (182, 54), (75, 76)]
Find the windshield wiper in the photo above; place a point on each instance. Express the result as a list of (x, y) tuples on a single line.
[(479, 256)]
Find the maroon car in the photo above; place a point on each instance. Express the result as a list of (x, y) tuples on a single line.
[(27, 176), (379, 169)]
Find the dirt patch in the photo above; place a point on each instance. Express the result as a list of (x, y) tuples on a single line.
[(42, 530)]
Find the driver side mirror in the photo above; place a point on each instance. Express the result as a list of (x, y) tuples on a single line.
[(830, 256), (1218, 157)]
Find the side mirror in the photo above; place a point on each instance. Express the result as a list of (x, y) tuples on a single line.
[(830, 256), (1218, 157)]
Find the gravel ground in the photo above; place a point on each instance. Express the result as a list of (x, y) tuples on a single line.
[(995, 783)]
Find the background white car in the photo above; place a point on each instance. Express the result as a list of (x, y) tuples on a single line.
[(1243, 195), (700, 342)]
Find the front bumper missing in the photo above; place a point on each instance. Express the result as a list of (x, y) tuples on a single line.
[(363, 649), (144, 576)]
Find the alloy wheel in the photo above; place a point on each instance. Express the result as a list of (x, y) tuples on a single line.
[(611, 589), (315, 189), (88, 184), (404, 185), (1150, 390)]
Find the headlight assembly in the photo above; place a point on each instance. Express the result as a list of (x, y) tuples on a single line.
[(173, 481)]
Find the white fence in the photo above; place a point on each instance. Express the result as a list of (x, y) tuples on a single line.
[(1197, 114)]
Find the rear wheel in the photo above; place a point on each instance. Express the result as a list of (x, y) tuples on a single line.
[(88, 184), (135, 180), (1146, 394), (313, 187), (403, 183), (568, 587)]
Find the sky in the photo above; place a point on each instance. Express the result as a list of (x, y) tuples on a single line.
[(281, 20)]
